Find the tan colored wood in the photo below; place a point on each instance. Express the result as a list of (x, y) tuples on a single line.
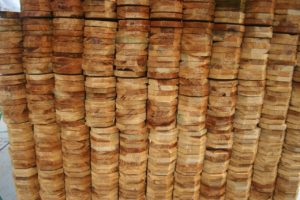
[(132, 35), (71, 8), (37, 8), (99, 9), (166, 9), (133, 12), (47, 188), (67, 48), (133, 2), (193, 10), (259, 12)]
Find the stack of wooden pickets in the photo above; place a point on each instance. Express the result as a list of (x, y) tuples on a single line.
[(282, 58), (35, 8), (287, 183), (230, 11), (37, 55), (66, 8), (130, 70), (152, 99), (99, 9), (225, 56), (287, 16), (251, 87), (166, 9), (198, 10), (195, 48), (100, 104), (14, 108), (70, 97), (273, 121), (163, 70)]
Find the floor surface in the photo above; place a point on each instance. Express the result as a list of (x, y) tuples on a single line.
[(7, 188)]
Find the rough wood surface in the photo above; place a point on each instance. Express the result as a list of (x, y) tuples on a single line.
[(133, 12), (166, 9), (67, 45), (70, 8), (102, 9), (198, 10), (259, 12), (35, 8), (132, 44)]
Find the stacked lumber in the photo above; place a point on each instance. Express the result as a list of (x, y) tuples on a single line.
[(259, 12), (166, 9), (161, 163), (196, 45), (252, 75), (76, 159), (67, 45), (70, 107), (37, 53), (37, 64), (287, 183), (104, 162), (35, 8), (224, 64), (41, 105), (15, 112), (131, 117), (22, 155), (282, 58), (221, 105), (49, 161), (133, 9), (101, 9), (131, 48), (99, 48), (164, 49), (200, 10), (13, 103), (230, 11), (226, 51), (100, 104), (287, 16), (70, 115), (163, 69), (172, 108), (70, 8), (130, 69)]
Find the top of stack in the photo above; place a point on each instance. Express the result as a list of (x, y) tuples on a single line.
[(230, 11), (259, 12), (35, 8), (287, 16)]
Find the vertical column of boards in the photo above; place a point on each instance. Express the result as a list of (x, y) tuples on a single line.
[(163, 70), (287, 182), (287, 20), (130, 70), (37, 61), (100, 32), (251, 87), (70, 96), (224, 65), (196, 43), (14, 107), (273, 121)]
